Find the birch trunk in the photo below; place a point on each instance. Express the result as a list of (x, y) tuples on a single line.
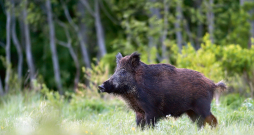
[(29, 56), (165, 31), (210, 20), (200, 25), (18, 47), (99, 30), (73, 55), (188, 32), (151, 40), (22, 31), (82, 41), (251, 12), (8, 50), (177, 24), (77, 75), (53, 46), (1, 88)]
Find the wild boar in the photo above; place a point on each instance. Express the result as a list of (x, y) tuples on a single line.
[(157, 90)]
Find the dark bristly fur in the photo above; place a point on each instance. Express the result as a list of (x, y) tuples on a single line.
[(156, 90)]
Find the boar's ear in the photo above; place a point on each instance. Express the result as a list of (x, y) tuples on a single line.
[(118, 57), (134, 59)]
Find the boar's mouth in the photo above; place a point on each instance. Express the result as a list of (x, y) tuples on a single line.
[(101, 88)]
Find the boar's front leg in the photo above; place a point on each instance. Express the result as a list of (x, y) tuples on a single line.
[(151, 119), (140, 119)]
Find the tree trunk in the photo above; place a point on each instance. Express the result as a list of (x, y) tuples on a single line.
[(8, 50), (177, 24), (210, 20), (53, 47), (29, 56), (77, 75), (73, 55), (151, 40), (1, 88), (22, 31), (165, 31), (82, 41), (200, 25), (251, 12), (99, 30), (252, 30), (84, 50), (18, 47), (188, 32)]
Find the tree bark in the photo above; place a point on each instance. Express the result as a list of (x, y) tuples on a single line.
[(210, 19), (151, 40), (53, 47), (165, 31), (188, 32), (1, 88), (80, 37), (251, 12), (8, 50), (200, 25), (99, 30), (18, 47), (177, 24), (73, 55), (29, 56), (22, 31)]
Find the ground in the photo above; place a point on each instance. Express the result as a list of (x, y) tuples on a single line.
[(36, 114)]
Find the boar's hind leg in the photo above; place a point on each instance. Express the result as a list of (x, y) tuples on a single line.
[(211, 120), (202, 109), (140, 119), (195, 118)]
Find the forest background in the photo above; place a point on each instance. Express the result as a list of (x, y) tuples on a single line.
[(69, 46)]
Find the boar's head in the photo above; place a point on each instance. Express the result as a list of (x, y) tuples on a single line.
[(123, 80)]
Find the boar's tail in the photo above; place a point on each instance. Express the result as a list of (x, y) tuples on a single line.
[(221, 86)]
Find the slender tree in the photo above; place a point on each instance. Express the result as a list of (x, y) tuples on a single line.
[(17, 45), (79, 34), (99, 29), (72, 52), (1, 88), (210, 19), (187, 30), (29, 56), (251, 21), (53, 46), (165, 30), (177, 24), (8, 49), (198, 4), (152, 42), (98, 25)]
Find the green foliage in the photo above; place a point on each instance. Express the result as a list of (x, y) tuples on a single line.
[(236, 59), (248, 105), (53, 97), (233, 101), (203, 60)]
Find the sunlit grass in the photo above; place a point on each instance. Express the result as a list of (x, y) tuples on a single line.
[(98, 117)]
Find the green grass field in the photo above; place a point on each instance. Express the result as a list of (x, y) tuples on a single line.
[(40, 115)]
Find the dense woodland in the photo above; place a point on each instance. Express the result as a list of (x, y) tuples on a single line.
[(66, 43)]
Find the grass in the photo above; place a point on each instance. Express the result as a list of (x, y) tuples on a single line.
[(30, 114)]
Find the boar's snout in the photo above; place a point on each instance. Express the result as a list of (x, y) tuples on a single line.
[(101, 88)]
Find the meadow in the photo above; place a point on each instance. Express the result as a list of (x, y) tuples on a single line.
[(41, 113)]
